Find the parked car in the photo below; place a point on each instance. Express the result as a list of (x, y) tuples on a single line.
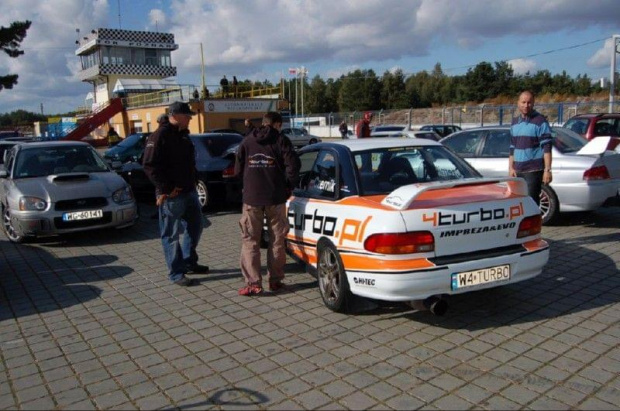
[(226, 130), (7, 143), (385, 130), (429, 135), (594, 125), (581, 182), (406, 219), (442, 129), (50, 188), (215, 161), (300, 136), (130, 147)]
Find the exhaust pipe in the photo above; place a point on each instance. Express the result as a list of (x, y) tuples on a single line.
[(436, 305)]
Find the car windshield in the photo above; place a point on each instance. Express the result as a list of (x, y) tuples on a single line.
[(383, 170), (130, 141), (219, 145), (44, 161), (567, 141)]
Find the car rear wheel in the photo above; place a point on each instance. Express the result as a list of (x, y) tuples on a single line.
[(333, 282), (10, 231), (203, 194), (549, 204)]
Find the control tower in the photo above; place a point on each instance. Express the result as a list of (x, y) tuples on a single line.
[(117, 62)]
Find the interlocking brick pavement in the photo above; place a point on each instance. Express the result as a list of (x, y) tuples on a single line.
[(89, 321)]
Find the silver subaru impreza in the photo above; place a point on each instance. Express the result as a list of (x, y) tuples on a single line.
[(57, 187)]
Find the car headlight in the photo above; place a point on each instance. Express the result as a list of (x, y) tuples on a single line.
[(123, 195), (32, 204)]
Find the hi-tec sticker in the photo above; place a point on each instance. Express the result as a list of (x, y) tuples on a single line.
[(370, 282)]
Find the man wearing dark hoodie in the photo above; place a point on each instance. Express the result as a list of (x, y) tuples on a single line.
[(269, 168), (169, 162)]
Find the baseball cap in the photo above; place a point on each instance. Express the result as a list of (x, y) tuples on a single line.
[(179, 107)]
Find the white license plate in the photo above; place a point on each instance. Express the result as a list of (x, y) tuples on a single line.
[(82, 215), (482, 276)]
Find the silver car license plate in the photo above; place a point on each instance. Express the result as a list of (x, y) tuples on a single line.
[(82, 215)]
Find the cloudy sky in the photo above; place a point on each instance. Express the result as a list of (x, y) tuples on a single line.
[(262, 39)]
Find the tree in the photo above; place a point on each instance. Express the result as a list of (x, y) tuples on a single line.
[(360, 91), (10, 39)]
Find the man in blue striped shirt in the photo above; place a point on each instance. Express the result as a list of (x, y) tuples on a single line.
[(530, 146)]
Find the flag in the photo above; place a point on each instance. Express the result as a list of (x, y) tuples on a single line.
[(292, 71)]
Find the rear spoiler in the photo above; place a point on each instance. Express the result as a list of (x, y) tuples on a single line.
[(599, 145), (402, 197)]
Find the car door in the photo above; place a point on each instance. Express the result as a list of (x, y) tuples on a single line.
[(493, 158)]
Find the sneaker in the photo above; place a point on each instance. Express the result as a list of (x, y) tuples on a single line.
[(277, 286), (252, 289), (186, 282), (197, 269)]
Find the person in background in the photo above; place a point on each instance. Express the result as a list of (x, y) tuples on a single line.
[(235, 84), (169, 162), (344, 129), (196, 94), (268, 166), (530, 146), (362, 130), (113, 137), (224, 85)]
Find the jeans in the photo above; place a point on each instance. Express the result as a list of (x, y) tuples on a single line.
[(180, 215), (534, 184)]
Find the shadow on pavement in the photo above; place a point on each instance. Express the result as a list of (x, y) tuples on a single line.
[(35, 281)]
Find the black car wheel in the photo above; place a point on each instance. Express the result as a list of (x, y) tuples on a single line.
[(549, 204), (203, 194), (333, 282), (12, 234)]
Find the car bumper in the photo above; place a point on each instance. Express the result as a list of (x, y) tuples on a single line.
[(51, 222), (425, 283), (585, 196)]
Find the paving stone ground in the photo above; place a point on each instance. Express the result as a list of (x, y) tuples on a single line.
[(89, 321)]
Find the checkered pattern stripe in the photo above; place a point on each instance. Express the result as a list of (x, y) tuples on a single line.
[(133, 70), (138, 36)]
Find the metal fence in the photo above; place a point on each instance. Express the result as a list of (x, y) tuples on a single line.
[(466, 115)]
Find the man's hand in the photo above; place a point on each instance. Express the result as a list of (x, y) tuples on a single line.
[(162, 197), (547, 177), (512, 172)]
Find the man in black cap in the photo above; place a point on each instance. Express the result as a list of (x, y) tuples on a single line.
[(170, 164)]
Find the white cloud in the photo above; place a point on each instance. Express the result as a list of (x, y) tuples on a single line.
[(258, 38), (522, 66), (602, 57)]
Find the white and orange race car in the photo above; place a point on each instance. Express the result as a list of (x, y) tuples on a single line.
[(406, 219)]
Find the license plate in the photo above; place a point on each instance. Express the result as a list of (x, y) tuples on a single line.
[(82, 215), (482, 276)]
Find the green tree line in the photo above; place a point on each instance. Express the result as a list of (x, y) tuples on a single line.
[(362, 90)]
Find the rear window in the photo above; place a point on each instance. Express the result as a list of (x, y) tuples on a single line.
[(578, 125), (217, 146), (385, 169), (567, 141)]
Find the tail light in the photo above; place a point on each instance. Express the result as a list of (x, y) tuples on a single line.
[(530, 226), (229, 171), (596, 173), (401, 243)]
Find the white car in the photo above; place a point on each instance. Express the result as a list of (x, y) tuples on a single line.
[(406, 219), (583, 179)]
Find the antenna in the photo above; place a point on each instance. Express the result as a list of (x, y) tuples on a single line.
[(119, 14)]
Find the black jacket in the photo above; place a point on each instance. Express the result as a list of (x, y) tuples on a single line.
[(268, 166), (169, 160)]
